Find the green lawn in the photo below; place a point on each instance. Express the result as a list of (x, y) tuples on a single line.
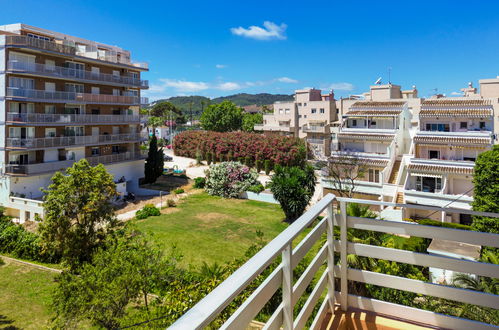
[(213, 229), (24, 296)]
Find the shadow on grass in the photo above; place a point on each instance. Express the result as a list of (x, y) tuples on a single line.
[(4, 323)]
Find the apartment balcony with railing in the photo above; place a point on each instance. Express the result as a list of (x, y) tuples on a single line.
[(74, 74), (67, 47), (323, 287), (36, 95), (67, 119), (324, 129), (48, 167), (65, 141)]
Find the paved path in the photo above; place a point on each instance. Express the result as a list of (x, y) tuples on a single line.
[(32, 264)]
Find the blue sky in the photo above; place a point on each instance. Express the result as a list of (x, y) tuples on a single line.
[(210, 48)]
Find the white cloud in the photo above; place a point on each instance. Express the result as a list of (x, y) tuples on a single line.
[(182, 85), (457, 93), (287, 80), (220, 66), (269, 31), (228, 86), (341, 86)]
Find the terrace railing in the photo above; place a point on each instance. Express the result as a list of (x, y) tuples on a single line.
[(73, 97), (63, 141), (64, 119), (214, 303), (71, 73)]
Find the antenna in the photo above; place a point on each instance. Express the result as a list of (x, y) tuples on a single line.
[(378, 82)]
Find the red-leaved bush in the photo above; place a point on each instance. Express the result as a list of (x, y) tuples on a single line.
[(280, 150)]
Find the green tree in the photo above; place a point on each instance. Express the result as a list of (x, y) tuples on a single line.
[(78, 212), (486, 194), (153, 167), (128, 269), (167, 111), (293, 187), (222, 117), (250, 120)]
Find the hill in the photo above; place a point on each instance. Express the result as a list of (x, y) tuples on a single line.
[(196, 103)]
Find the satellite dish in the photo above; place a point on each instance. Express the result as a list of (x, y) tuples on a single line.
[(378, 82)]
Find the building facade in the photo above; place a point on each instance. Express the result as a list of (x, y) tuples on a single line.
[(64, 98)]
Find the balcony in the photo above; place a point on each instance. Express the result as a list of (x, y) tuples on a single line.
[(316, 129), (38, 168), (278, 128), (66, 119), (316, 141), (66, 141), (73, 74), (330, 264), (69, 48), (258, 127), (36, 95)]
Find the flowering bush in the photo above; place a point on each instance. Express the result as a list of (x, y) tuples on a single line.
[(280, 150), (229, 179)]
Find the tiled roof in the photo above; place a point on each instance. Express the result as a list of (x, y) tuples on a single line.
[(432, 139), (372, 108), (364, 136), (375, 162), (456, 108), (440, 168)]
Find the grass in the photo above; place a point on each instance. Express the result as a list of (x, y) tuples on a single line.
[(25, 296), (213, 229)]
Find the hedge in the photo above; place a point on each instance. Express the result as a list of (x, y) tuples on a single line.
[(429, 222), (281, 150)]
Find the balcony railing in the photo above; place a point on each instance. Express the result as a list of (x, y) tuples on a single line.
[(316, 129), (69, 73), (38, 168), (64, 119), (73, 97), (68, 48), (64, 141), (316, 141), (325, 294)]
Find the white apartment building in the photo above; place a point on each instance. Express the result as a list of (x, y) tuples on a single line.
[(64, 98)]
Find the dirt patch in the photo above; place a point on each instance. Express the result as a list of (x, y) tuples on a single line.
[(169, 210), (168, 183)]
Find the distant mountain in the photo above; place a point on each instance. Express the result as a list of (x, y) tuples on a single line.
[(196, 104)]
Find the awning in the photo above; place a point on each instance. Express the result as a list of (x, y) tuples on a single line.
[(427, 175)]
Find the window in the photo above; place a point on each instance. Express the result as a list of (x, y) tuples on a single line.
[(281, 111), (35, 36), (313, 110), (354, 122), (75, 88), (74, 131), (299, 104), (50, 132), (482, 125), (95, 111), (50, 65), (24, 83), (22, 132), (20, 57), (373, 123), (304, 104), (95, 90), (50, 109), (116, 73), (433, 154), (50, 87), (286, 111), (95, 70), (16, 107), (304, 116), (373, 175), (115, 149), (428, 184), (464, 125), (95, 151), (321, 110), (437, 127)]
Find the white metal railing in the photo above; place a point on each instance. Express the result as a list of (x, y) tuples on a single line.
[(70, 48), (36, 94), (315, 129), (316, 141), (392, 154), (72, 73), (62, 141), (209, 307), (65, 119)]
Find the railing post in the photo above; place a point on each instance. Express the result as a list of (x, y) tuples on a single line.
[(330, 256), (343, 256), (287, 288)]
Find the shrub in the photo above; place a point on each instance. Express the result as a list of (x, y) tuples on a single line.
[(293, 187), (199, 182), (148, 210), (248, 161), (221, 158), (259, 165), (170, 203), (199, 157), (258, 188), (281, 150), (179, 191), (229, 179), (267, 166), (429, 222)]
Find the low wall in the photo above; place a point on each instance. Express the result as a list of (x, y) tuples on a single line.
[(261, 197)]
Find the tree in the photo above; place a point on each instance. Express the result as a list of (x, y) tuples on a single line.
[(167, 111), (250, 120), (222, 117), (128, 269), (344, 171), (293, 187), (153, 167), (78, 212), (486, 193)]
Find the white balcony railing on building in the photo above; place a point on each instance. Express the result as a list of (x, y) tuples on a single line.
[(44, 118), (71, 73), (316, 141), (73, 97), (214, 303), (315, 129), (50, 142), (48, 167), (70, 48)]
